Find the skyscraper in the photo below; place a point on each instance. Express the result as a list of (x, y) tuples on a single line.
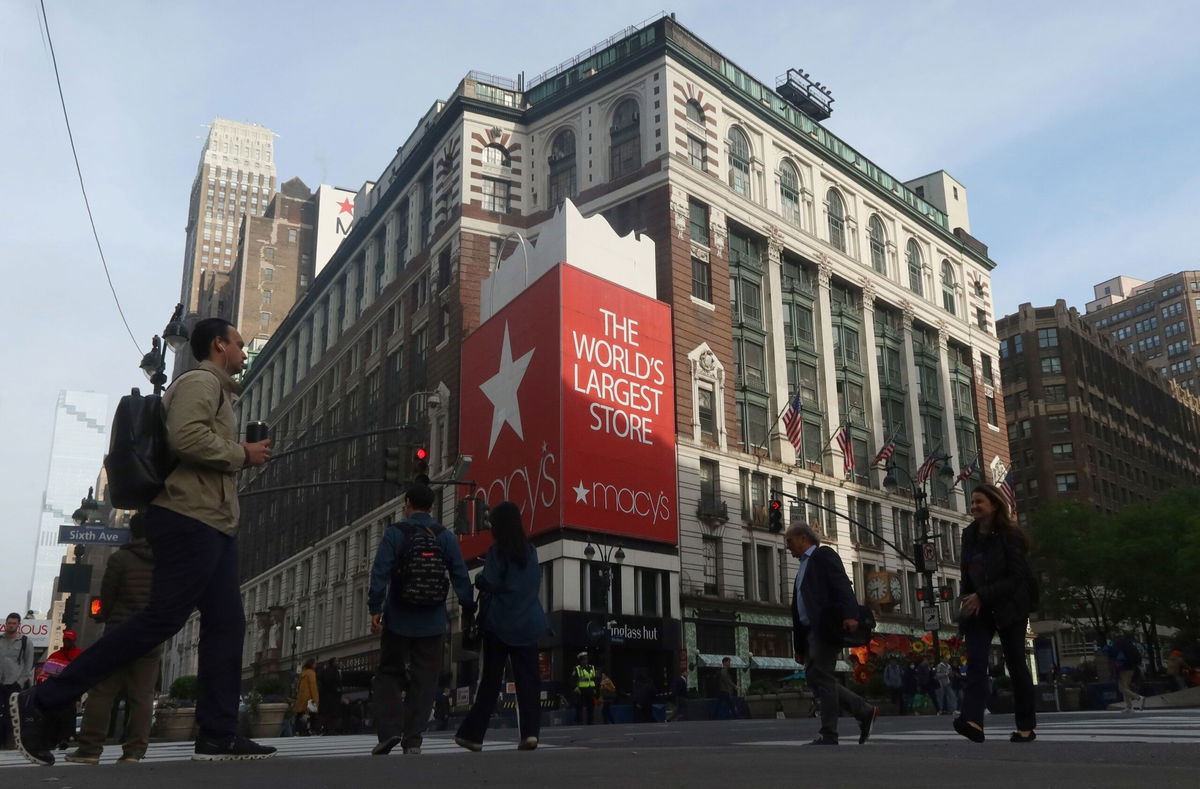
[(76, 452), (236, 176)]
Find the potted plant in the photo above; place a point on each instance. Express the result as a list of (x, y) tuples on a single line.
[(266, 707), (175, 716)]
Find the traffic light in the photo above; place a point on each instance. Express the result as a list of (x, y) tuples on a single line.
[(96, 608), (421, 465), (775, 515), (925, 595), (919, 556), (946, 593), (71, 613), (484, 514), (393, 465)]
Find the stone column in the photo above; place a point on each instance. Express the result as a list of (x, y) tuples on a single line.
[(920, 451), (824, 325), (780, 446), (874, 419), (947, 394)]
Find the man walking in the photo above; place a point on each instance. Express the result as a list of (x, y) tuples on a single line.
[(192, 527), (823, 606), (124, 591), (679, 689), (16, 667), (727, 692), (947, 700), (407, 602), (585, 689), (329, 685), (1126, 664)]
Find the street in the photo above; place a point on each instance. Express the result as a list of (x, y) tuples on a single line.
[(1082, 749)]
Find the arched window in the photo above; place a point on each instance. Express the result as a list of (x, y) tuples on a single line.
[(562, 167), (948, 288), (789, 192), (836, 211), (878, 241), (625, 146), (694, 113), (739, 161), (496, 156), (912, 254)]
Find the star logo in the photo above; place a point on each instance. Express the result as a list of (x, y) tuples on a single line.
[(502, 388), (345, 207), (581, 493)]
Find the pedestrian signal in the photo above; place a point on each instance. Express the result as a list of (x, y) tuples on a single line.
[(421, 465), (775, 515)]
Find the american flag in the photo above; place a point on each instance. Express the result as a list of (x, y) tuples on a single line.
[(967, 472), (793, 421), (885, 454), (847, 447), (1010, 495), (926, 469)]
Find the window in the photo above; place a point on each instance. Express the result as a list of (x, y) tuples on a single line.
[(948, 288), (836, 214), (739, 161), (991, 411), (751, 362), (266, 297), (269, 253), (694, 113), (1058, 423), (701, 279), (1063, 451), (1065, 483), (268, 274), (1048, 338), (698, 221), (706, 412), (1055, 393), (747, 300), (1051, 365), (986, 363), (625, 145), (789, 193), (878, 242), (912, 255), (496, 156), (562, 167), (697, 153), (981, 318), (496, 196), (292, 235)]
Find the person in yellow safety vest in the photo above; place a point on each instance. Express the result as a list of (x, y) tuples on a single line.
[(585, 689)]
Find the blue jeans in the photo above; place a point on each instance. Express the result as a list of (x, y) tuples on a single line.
[(195, 568)]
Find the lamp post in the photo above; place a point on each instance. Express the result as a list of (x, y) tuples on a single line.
[(154, 363), (925, 556), (296, 628), (610, 557), (87, 506)]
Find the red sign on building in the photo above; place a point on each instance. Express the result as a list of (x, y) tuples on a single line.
[(568, 409)]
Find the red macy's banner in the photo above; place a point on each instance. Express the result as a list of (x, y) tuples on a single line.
[(568, 409)]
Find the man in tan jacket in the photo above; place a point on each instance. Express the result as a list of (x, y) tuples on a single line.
[(192, 529)]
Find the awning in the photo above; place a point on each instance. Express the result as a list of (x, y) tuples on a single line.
[(774, 663), (714, 661)]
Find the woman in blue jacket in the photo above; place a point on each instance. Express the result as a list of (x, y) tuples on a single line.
[(512, 621)]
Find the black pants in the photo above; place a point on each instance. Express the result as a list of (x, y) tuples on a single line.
[(195, 568), (585, 701), (979, 632), (524, 662), (410, 665)]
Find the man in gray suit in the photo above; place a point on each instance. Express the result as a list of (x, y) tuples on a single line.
[(823, 607)]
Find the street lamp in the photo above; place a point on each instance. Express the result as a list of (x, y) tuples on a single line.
[(925, 562), (154, 363), (296, 628), (610, 556), (87, 506)]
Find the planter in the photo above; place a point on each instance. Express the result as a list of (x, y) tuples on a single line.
[(175, 724), (268, 722)]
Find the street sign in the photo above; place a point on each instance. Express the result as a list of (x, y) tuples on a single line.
[(92, 535), (929, 552), (929, 614)]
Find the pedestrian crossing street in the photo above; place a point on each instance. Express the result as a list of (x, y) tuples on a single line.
[(289, 748), (1175, 726)]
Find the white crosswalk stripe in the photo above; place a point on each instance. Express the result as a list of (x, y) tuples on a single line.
[(289, 748), (1181, 726)]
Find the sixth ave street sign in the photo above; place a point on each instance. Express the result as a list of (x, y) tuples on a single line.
[(92, 535)]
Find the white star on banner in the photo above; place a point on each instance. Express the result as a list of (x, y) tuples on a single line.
[(581, 493), (501, 389)]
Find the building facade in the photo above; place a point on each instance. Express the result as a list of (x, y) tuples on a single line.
[(1157, 322), (77, 448), (790, 263), (1088, 419)]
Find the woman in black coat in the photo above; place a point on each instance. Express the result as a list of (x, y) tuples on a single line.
[(998, 594)]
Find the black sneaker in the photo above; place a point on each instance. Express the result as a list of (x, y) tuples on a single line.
[(28, 724), (865, 724), (385, 746), (212, 749), (823, 741)]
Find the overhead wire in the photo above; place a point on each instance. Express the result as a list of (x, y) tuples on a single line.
[(79, 172)]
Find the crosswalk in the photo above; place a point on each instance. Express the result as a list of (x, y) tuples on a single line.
[(289, 748), (1178, 726)]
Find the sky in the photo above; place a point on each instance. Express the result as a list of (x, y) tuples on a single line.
[(1072, 125)]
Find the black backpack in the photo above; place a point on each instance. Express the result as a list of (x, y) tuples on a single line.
[(421, 578), (139, 458), (1132, 655)]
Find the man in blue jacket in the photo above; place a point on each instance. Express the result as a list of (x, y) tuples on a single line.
[(407, 602), (823, 606)]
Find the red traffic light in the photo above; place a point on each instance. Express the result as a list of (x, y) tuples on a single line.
[(946, 594), (776, 504), (422, 453)]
